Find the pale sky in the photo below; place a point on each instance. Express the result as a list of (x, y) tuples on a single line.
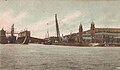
[(35, 14)]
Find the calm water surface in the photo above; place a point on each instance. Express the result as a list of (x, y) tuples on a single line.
[(45, 57)]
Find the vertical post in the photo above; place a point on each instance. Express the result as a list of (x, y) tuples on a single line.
[(80, 33), (47, 31)]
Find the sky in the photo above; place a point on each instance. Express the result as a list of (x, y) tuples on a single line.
[(34, 15)]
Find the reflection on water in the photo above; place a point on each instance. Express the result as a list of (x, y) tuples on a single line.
[(45, 57)]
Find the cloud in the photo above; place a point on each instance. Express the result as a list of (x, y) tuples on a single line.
[(39, 28), (71, 16), (9, 17), (41, 24)]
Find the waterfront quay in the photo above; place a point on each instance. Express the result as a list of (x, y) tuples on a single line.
[(53, 57)]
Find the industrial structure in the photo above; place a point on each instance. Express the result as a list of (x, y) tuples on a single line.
[(54, 39), (23, 37), (57, 29), (12, 37), (3, 38)]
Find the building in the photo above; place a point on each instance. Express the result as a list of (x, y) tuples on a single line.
[(102, 35), (95, 35), (3, 38)]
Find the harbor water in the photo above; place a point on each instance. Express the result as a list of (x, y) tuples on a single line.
[(52, 57)]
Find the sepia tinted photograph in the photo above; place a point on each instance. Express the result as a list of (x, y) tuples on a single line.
[(59, 34)]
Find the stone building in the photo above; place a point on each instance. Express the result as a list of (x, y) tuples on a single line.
[(96, 35)]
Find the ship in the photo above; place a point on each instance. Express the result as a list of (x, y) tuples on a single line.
[(23, 37)]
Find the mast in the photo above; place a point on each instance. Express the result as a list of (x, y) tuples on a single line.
[(57, 28), (47, 31)]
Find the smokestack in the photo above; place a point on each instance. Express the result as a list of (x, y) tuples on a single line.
[(57, 28)]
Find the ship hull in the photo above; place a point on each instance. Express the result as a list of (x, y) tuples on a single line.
[(68, 44), (22, 40)]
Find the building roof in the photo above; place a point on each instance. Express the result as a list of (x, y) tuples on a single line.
[(107, 30), (97, 30)]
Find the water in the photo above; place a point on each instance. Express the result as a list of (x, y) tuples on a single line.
[(45, 57)]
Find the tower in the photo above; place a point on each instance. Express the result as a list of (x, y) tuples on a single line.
[(12, 38), (57, 28), (92, 29), (80, 33), (92, 26), (12, 30)]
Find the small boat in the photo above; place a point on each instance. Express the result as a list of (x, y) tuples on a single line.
[(94, 44)]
